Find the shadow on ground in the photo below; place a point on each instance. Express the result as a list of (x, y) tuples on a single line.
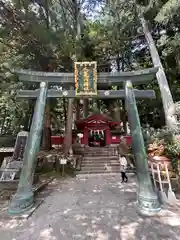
[(97, 208)]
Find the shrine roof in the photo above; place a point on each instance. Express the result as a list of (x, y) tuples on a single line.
[(96, 119)]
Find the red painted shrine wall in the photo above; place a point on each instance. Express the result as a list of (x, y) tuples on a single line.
[(58, 140)]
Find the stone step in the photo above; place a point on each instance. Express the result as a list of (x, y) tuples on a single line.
[(98, 161), (98, 149), (96, 172), (100, 164), (100, 157), (99, 170), (99, 152), (107, 154)]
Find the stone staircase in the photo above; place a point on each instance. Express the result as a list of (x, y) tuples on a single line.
[(99, 160)]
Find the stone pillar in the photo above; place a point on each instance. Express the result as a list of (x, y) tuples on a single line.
[(147, 200), (23, 200)]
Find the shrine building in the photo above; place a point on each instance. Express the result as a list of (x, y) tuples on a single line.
[(96, 130)]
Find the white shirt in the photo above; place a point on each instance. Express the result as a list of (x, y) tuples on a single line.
[(123, 163)]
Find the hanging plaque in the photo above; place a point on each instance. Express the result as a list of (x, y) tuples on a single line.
[(85, 78)]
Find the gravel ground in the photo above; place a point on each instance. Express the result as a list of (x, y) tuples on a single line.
[(91, 208)]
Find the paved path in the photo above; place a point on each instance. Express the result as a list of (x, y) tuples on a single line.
[(96, 208)]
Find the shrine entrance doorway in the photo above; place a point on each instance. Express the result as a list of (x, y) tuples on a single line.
[(97, 138)]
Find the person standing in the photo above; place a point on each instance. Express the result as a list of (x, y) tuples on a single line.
[(123, 167)]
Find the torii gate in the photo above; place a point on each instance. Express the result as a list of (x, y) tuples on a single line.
[(147, 201)]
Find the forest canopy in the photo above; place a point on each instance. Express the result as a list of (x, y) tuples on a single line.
[(48, 35)]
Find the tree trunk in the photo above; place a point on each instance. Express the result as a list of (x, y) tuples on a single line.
[(3, 123), (123, 113), (116, 111), (110, 108), (46, 137), (85, 108), (98, 104), (168, 104), (68, 133), (77, 109), (118, 63), (26, 122), (31, 112), (123, 116), (65, 112)]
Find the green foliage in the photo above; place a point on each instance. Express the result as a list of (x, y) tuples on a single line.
[(170, 142), (162, 135), (168, 10), (172, 151), (49, 36)]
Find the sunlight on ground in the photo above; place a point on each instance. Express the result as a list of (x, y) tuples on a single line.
[(128, 231), (67, 211), (168, 217), (80, 217), (97, 191), (10, 224), (99, 209), (99, 235), (46, 234), (84, 224)]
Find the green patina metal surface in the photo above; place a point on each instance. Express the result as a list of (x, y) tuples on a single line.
[(24, 198), (103, 78), (118, 94), (147, 200)]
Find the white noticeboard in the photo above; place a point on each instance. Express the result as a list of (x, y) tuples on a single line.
[(63, 161)]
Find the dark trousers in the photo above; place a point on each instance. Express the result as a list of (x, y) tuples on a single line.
[(124, 177)]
